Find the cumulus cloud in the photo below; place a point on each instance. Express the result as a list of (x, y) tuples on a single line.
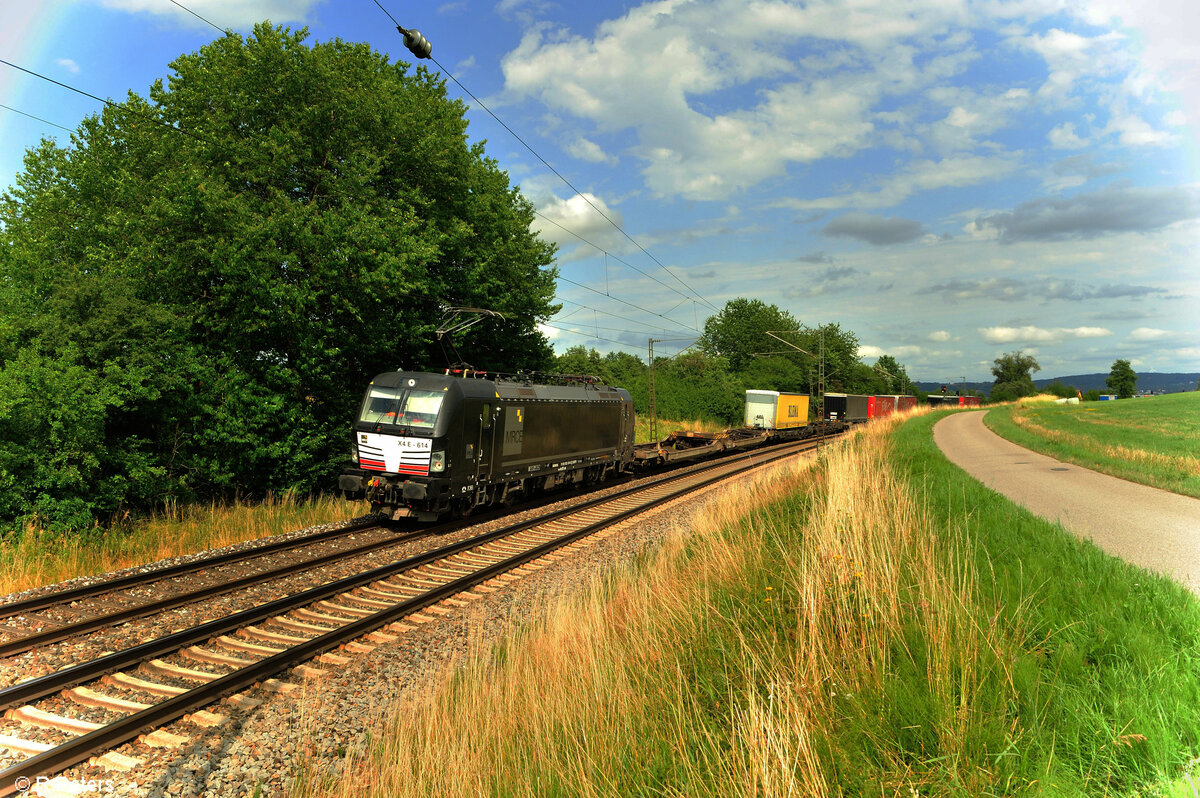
[(590, 151), (1113, 209), (1149, 334), (1030, 334), (565, 221), (828, 65), (67, 64), (866, 351), (939, 336), (877, 230), (1063, 137)]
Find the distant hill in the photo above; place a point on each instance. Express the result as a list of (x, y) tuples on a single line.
[(1167, 382)]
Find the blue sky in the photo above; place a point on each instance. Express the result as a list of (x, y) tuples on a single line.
[(951, 180)]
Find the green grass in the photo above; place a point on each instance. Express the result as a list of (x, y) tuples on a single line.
[(1154, 441), (1107, 662), (919, 635)]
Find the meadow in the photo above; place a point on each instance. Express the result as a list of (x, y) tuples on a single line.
[(875, 624), (1154, 441)]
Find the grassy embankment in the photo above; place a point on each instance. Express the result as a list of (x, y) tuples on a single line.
[(877, 625), (1154, 441), (32, 557)]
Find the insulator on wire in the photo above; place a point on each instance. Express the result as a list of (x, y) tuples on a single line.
[(417, 44)]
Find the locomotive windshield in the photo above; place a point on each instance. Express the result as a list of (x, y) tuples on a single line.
[(402, 407)]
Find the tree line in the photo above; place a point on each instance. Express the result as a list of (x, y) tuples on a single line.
[(1014, 380), (748, 344)]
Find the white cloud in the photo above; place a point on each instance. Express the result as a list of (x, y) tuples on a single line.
[(590, 151), (1008, 335), (868, 352), (67, 64), (583, 215), (940, 336), (830, 64), (1063, 137), (1149, 334)]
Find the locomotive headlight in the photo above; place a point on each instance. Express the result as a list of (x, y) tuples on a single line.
[(437, 462)]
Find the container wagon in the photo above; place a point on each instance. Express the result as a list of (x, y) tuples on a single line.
[(776, 409)]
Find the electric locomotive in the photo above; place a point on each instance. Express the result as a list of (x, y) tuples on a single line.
[(439, 444)]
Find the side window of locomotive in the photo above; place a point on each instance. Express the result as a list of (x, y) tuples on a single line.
[(486, 417)]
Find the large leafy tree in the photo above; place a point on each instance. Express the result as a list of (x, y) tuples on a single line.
[(1013, 372), (1122, 379), (276, 223), (739, 332)]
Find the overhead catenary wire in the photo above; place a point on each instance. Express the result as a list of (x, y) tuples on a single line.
[(609, 313), (38, 118), (592, 337), (627, 302), (608, 254), (695, 294), (109, 103)]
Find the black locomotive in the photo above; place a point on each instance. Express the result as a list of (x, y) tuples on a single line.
[(437, 444)]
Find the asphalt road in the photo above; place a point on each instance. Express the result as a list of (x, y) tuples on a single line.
[(1146, 526)]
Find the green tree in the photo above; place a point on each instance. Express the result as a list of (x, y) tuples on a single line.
[(1061, 390), (1013, 376), (894, 375), (739, 331), (1122, 379), (278, 222)]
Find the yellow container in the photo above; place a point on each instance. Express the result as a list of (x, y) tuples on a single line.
[(792, 411)]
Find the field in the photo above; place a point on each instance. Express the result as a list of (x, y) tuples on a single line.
[(877, 624), (1154, 441)]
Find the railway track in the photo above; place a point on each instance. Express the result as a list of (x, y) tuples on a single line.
[(132, 692)]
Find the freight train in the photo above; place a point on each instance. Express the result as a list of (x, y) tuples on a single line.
[(431, 445), (857, 408)]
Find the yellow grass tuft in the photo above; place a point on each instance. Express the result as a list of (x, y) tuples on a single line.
[(34, 557)]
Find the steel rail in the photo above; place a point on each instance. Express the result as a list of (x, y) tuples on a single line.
[(124, 729), (53, 635)]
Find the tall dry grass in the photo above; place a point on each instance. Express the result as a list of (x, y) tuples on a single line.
[(807, 634), (33, 557)]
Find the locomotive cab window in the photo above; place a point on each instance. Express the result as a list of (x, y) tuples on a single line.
[(402, 408)]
